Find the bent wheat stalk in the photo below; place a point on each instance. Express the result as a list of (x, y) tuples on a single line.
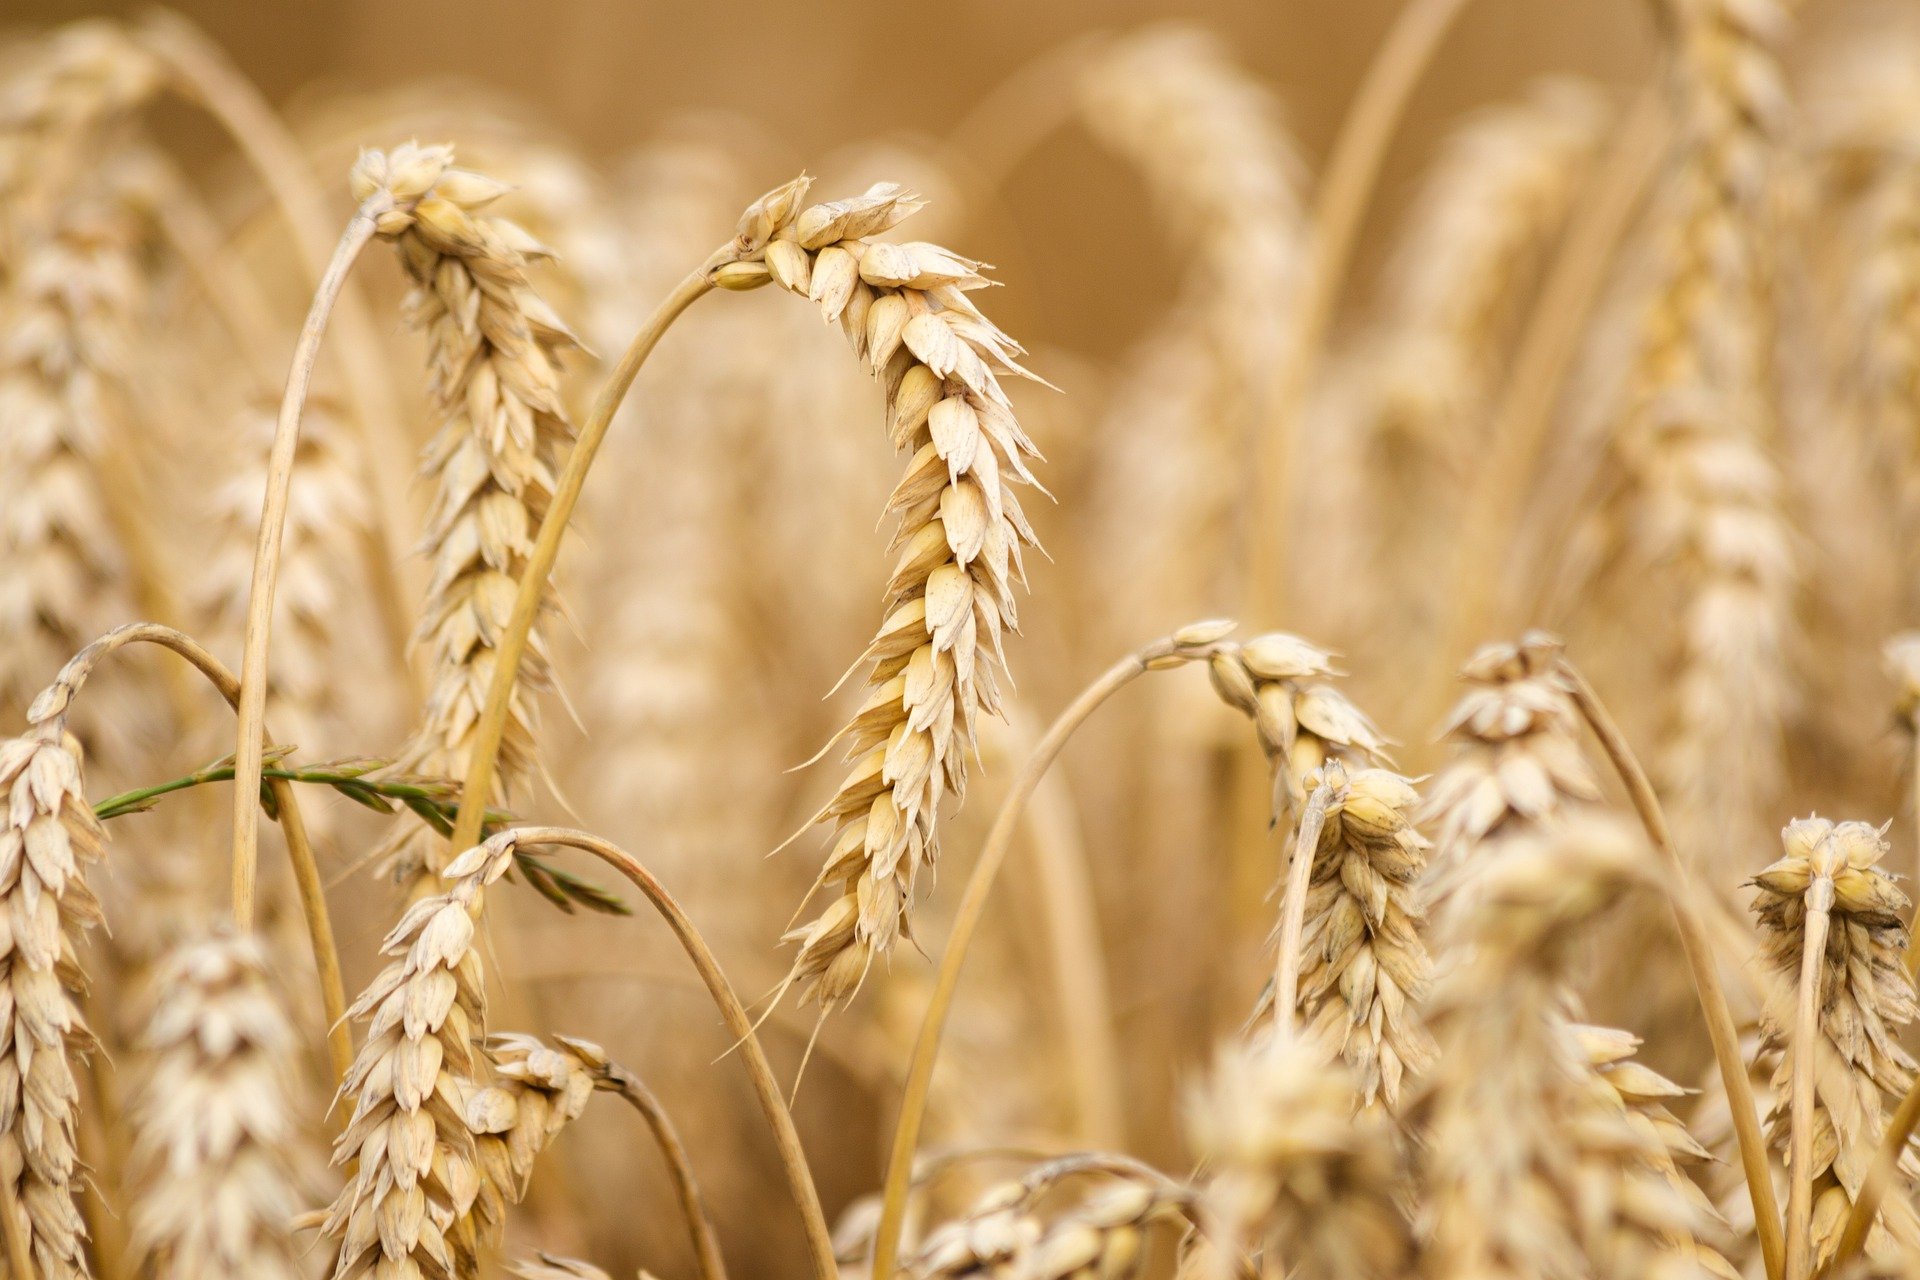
[(53, 704), (686, 1188), (251, 732), (1190, 644)]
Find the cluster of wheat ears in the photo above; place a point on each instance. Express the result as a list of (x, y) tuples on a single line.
[(1635, 396)]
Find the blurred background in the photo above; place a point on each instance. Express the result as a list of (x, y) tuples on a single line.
[(1136, 173)]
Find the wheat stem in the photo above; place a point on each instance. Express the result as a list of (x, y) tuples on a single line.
[(1293, 918), (773, 1105), (686, 1189), (1886, 1162), (492, 725), (1806, 1028), (58, 697), (966, 918), (1344, 193), (1721, 1029), (252, 707)]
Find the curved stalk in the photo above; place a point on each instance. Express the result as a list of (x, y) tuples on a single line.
[(973, 902), (1293, 918), (252, 708), (773, 1106), (205, 76), (1886, 1162), (1345, 190), (1806, 1026), (492, 725), (1706, 978), (55, 700), (686, 1189)]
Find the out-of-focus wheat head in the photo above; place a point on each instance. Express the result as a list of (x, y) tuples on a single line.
[(218, 1132)]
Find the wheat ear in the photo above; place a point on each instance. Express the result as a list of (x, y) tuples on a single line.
[(216, 1130), (48, 839), (1846, 1058), (906, 312)]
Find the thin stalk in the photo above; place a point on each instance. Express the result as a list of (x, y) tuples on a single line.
[(1517, 434), (966, 919), (1293, 916), (686, 1189), (1806, 1026), (252, 708), (58, 697), (236, 299), (793, 1160), (1706, 978), (1021, 111), (1082, 999), (512, 646), (1346, 189), (205, 76), (1893, 1143)]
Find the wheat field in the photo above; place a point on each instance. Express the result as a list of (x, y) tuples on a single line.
[(1383, 745)]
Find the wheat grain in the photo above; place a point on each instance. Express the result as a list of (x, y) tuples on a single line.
[(1865, 996), (538, 1090), (494, 367), (905, 310), (547, 1266), (216, 1130), (1006, 1233)]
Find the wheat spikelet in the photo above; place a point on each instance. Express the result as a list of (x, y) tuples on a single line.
[(494, 367), (1536, 1162), (1517, 761), (1865, 996), (537, 1091), (905, 310), (1364, 969), (1294, 1173), (546, 1266), (48, 839), (216, 1130), (407, 1210), (1279, 681)]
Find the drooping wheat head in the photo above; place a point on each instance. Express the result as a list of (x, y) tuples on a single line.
[(905, 310), (537, 1091), (217, 1132)]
